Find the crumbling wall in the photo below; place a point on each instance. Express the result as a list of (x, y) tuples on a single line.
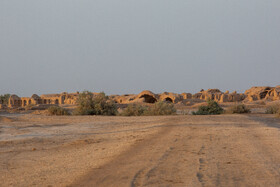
[(187, 95), (276, 93), (218, 96), (259, 93), (124, 99), (49, 99), (14, 102)]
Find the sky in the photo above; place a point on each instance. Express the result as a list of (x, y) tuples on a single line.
[(126, 46)]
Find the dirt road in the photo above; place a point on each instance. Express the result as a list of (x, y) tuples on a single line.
[(237, 152), (226, 150)]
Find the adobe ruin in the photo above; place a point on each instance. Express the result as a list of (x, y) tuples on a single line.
[(148, 97), (48, 99)]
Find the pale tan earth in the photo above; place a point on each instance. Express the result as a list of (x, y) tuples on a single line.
[(183, 150)]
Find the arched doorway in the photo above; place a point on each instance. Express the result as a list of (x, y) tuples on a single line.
[(168, 99), (148, 98)]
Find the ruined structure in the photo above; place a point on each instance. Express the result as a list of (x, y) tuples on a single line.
[(187, 95), (15, 101), (170, 97), (231, 97), (146, 96), (218, 96), (49, 99), (124, 99), (274, 94), (258, 93), (263, 93), (2, 106)]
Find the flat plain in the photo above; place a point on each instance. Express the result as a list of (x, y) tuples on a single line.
[(180, 150)]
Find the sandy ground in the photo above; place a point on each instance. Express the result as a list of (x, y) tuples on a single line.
[(224, 150)]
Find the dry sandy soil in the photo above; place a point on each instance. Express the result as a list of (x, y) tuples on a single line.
[(225, 150)]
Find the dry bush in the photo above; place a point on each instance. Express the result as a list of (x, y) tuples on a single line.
[(58, 111), (88, 104), (212, 108), (85, 104), (238, 109), (273, 109), (104, 106), (133, 110), (160, 108)]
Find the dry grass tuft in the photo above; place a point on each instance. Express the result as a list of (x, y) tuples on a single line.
[(159, 108), (273, 109), (58, 111), (238, 109)]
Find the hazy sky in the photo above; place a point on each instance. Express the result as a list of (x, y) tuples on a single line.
[(126, 46)]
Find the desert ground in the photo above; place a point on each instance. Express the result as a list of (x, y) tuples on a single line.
[(181, 150)]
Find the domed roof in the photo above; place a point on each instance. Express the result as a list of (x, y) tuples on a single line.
[(15, 97), (149, 97), (35, 96), (146, 92), (169, 95)]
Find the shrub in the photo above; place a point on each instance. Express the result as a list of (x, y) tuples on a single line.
[(273, 109), (4, 99), (88, 104), (238, 109), (160, 108), (104, 106), (85, 104), (59, 111), (134, 110), (212, 108)]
